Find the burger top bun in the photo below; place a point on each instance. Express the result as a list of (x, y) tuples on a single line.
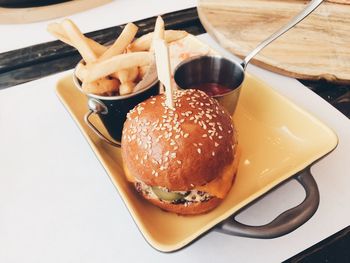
[(178, 148)]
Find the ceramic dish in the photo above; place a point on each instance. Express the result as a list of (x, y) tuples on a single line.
[(277, 139)]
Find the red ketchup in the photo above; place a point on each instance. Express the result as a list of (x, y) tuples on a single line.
[(212, 89)]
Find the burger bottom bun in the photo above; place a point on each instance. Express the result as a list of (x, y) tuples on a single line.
[(189, 208)]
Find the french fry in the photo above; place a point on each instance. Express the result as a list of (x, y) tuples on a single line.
[(79, 41), (96, 47), (56, 30), (117, 63), (144, 43), (133, 73), (143, 70), (81, 72), (126, 88), (121, 43), (101, 86), (126, 78), (123, 75), (126, 75), (117, 68)]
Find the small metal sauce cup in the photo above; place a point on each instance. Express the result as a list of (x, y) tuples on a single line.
[(112, 110), (212, 69)]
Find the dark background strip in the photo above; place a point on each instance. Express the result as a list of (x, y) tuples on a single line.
[(34, 62)]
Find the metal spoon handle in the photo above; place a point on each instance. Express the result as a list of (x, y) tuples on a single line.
[(308, 10)]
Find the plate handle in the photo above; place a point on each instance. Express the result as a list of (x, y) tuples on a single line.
[(98, 107), (286, 222)]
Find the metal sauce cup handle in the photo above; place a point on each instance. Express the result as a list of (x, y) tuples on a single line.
[(98, 107)]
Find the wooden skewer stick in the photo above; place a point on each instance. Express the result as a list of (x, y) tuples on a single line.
[(159, 31), (163, 69), (160, 48)]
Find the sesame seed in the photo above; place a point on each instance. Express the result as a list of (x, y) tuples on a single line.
[(213, 153), (209, 116), (199, 150)]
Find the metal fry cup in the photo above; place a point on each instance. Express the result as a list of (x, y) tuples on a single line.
[(112, 110)]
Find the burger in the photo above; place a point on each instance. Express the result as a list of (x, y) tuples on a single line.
[(182, 159)]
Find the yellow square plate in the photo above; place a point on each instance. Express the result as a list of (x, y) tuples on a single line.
[(277, 140)]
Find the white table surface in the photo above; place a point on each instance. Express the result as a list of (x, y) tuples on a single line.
[(58, 205)]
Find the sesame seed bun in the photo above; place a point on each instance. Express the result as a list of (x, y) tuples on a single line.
[(178, 148), (184, 159)]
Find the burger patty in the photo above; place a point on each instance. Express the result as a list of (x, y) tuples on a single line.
[(174, 197)]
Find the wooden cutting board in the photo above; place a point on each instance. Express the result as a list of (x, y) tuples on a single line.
[(319, 47), (41, 13)]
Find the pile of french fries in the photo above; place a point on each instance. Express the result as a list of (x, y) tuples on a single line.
[(113, 70)]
